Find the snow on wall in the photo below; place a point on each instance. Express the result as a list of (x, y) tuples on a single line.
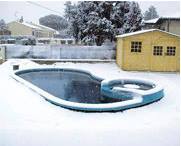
[(61, 52)]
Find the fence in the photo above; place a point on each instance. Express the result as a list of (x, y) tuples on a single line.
[(60, 52), (2, 53)]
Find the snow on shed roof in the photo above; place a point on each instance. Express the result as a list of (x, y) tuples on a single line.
[(143, 31)]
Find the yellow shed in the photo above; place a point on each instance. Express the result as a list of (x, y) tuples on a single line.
[(148, 50)]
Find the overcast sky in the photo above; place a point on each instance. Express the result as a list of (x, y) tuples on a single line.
[(10, 10)]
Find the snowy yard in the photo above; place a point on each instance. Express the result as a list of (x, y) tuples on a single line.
[(27, 119)]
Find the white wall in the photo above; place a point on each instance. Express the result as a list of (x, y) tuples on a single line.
[(2, 53), (61, 52)]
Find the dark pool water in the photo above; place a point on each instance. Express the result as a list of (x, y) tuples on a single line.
[(68, 85)]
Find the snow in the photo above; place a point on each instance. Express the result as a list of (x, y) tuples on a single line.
[(152, 20), (143, 31), (131, 86), (92, 21), (172, 16), (31, 25), (37, 26), (43, 26), (27, 119), (155, 20)]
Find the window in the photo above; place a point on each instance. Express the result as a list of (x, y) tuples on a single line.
[(171, 51), (162, 28), (136, 46), (63, 42), (70, 41), (158, 50)]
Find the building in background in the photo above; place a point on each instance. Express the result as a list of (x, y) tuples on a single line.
[(5, 32), (21, 28), (50, 32), (148, 50), (169, 24)]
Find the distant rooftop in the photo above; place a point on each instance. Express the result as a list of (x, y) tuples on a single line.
[(30, 25), (41, 26), (37, 26), (143, 31), (152, 21), (44, 27)]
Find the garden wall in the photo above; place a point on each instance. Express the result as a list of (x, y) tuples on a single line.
[(60, 52)]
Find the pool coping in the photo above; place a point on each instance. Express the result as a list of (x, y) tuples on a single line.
[(135, 102)]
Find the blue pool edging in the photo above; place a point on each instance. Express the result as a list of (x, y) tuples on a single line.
[(141, 97), (148, 97)]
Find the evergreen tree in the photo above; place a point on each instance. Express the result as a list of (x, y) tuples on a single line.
[(54, 21), (3, 24), (100, 20), (94, 22), (133, 18), (151, 13), (71, 14)]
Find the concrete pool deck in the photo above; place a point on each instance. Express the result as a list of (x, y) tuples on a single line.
[(27, 119)]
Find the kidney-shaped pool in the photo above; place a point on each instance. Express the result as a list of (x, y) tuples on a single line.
[(80, 90)]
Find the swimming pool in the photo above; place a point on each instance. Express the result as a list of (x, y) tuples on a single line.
[(83, 91)]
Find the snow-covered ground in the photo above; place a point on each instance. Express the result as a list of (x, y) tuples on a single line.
[(26, 119)]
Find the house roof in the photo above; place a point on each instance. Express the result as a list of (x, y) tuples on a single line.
[(46, 27), (36, 26), (30, 25), (26, 24), (153, 21), (42, 26), (143, 31)]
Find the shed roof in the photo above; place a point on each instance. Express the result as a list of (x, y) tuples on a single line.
[(143, 31)]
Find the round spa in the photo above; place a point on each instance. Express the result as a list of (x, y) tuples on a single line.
[(83, 91)]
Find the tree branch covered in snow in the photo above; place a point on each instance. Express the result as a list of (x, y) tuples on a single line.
[(96, 21)]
